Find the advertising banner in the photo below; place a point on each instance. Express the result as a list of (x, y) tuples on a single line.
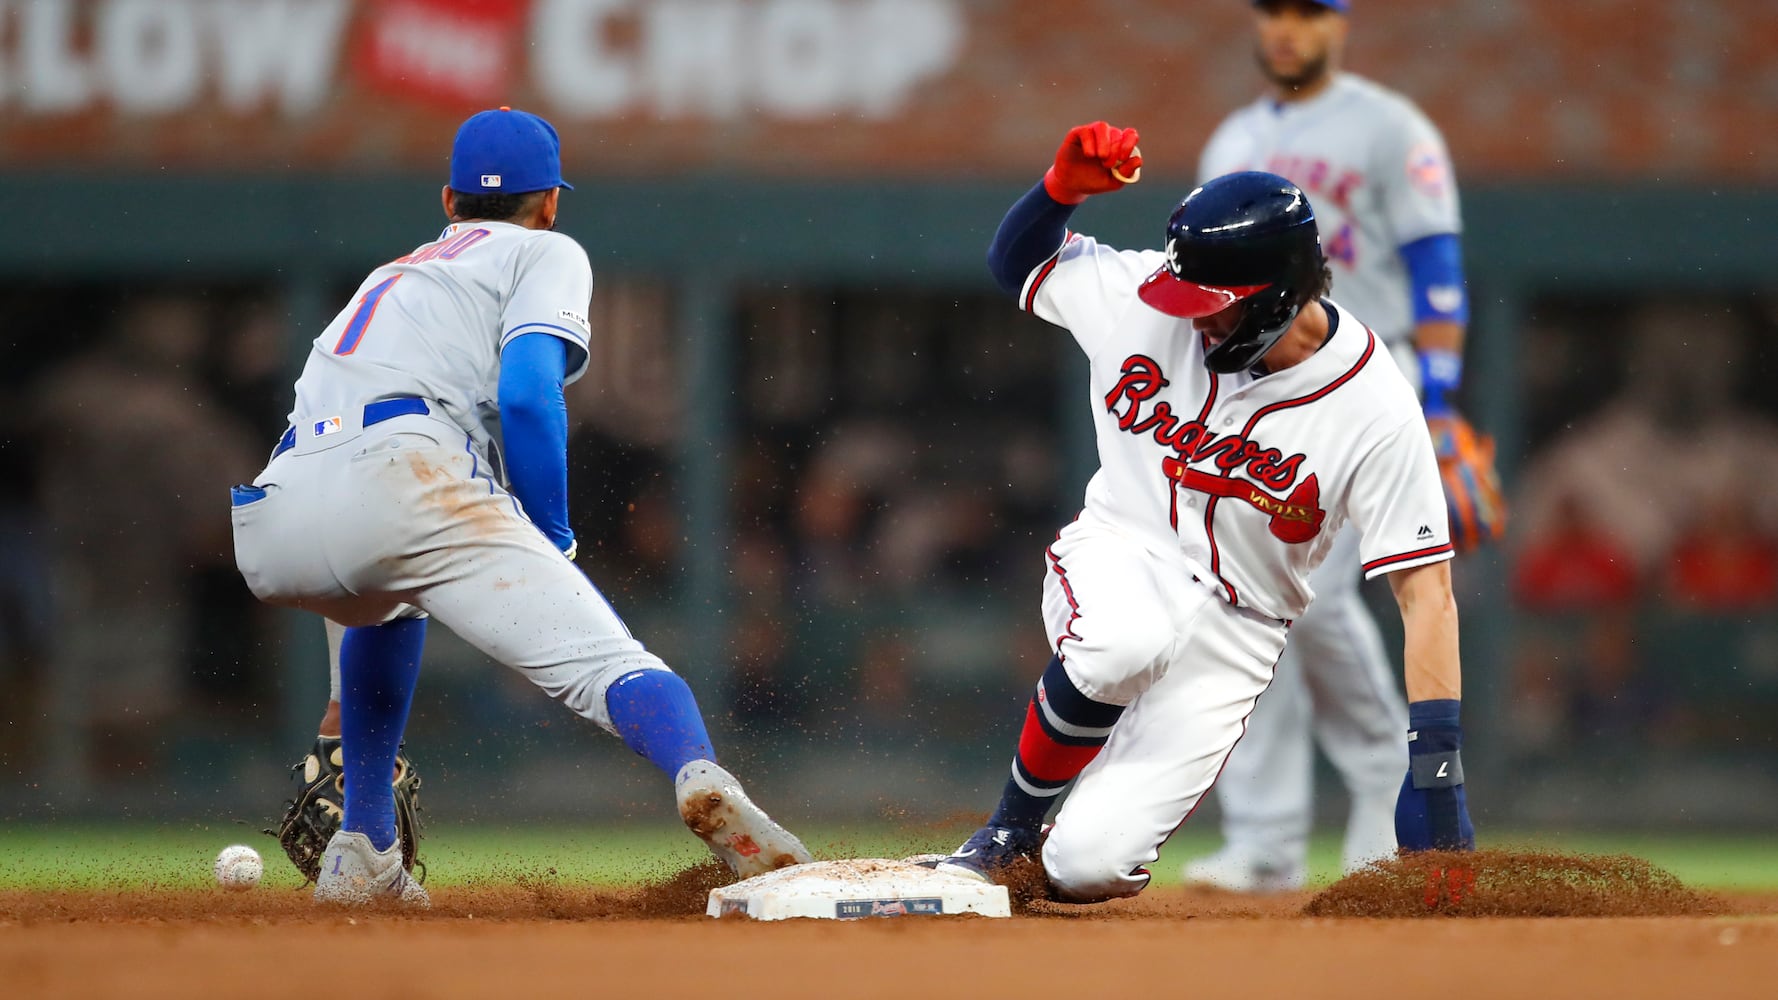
[(1522, 89)]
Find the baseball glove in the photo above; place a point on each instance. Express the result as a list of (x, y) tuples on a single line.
[(314, 816), (1472, 487)]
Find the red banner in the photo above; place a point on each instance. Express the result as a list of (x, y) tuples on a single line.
[(450, 52)]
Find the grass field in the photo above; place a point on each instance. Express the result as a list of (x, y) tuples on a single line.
[(121, 856)]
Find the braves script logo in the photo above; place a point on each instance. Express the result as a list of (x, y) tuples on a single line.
[(1295, 517)]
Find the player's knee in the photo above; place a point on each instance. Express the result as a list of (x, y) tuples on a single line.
[(1088, 868), (1122, 656)]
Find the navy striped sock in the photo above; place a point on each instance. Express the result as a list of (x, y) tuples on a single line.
[(1064, 730)]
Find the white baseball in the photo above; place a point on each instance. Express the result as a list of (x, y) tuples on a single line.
[(238, 867)]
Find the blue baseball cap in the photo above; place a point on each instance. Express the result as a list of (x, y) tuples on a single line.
[(1338, 6), (506, 152)]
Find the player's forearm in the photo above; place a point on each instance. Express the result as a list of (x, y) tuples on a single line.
[(1429, 624), (1441, 311), (1439, 335), (1029, 234)]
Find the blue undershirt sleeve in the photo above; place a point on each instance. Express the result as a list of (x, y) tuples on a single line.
[(1029, 235), (534, 429), (1435, 270)]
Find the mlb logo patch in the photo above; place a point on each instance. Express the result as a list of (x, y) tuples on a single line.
[(490, 180), (331, 425)]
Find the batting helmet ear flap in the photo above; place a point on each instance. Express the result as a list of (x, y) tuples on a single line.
[(1247, 237), (1264, 321)]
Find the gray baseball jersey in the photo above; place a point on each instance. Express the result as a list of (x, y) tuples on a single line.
[(432, 323), (382, 496), (1378, 174)]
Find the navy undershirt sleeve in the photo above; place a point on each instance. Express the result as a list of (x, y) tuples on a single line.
[(1029, 235), (534, 429)]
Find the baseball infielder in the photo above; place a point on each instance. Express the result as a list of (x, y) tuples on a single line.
[(1243, 421), (424, 474), (1386, 203)]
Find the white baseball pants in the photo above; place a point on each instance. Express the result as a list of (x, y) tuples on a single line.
[(1337, 682), (1133, 628)]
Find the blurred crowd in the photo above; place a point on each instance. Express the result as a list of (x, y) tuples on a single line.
[(893, 480), (894, 465), (1645, 554), (119, 608), (894, 476)]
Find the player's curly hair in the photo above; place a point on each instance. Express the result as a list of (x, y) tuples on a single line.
[(1322, 286), (498, 207)]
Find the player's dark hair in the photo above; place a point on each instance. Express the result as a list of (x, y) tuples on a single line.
[(499, 207), (1322, 285)]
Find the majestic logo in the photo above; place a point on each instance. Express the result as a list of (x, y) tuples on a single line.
[(1294, 517)]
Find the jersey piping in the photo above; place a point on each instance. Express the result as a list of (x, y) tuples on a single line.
[(1029, 299)]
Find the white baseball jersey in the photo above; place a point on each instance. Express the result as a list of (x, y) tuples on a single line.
[(1250, 479), (432, 324), (1377, 172)]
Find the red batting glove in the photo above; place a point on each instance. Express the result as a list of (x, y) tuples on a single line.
[(1088, 156)]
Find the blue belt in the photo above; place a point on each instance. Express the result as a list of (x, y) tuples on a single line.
[(374, 413)]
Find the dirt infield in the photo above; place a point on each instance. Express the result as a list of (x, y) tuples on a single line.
[(532, 937)]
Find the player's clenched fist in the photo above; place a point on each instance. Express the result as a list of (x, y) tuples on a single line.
[(1093, 159)]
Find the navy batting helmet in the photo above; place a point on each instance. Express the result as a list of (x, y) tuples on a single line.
[(1247, 237)]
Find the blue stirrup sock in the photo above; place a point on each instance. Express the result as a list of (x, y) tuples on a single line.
[(656, 715), (1064, 730), (379, 665)]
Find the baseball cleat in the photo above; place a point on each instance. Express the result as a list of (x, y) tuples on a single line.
[(1237, 871), (989, 850), (355, 874), (738, 832)]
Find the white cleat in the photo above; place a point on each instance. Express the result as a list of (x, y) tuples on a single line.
[(1238, 871), (355, 874), (738, 832)]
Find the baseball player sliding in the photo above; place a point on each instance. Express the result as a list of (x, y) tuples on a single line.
[(1386, 205), (424, 474), (1243, 421)]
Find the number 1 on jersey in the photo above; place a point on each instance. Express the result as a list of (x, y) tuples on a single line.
[(367, 308)]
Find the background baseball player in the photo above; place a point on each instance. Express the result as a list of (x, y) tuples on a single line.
[(1386, 202), (424, 475), (1242, 420)]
